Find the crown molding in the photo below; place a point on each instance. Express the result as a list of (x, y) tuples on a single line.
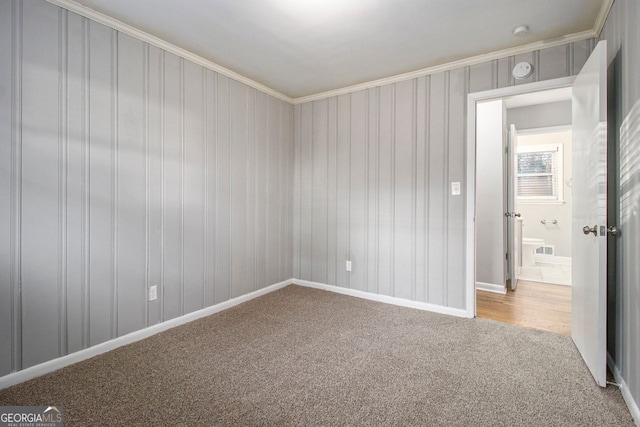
[(466, 62), (602, 17), (103, 19)]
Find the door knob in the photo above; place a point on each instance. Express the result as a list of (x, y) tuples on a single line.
[(613, 230), (517, 214), (586, 230)]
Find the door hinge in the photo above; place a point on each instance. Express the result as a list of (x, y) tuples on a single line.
[(506, 256)]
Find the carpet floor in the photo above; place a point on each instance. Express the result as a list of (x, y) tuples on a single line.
[(301, 356)]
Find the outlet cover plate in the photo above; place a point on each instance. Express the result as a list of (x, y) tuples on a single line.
[(153, 293)]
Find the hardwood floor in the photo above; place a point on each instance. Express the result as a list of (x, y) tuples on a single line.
[(533, 304)]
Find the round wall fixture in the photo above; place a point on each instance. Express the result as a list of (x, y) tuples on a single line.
[(522, 70), (521, 31)]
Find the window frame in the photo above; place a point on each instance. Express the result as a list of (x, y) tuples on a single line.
[(558, 147)]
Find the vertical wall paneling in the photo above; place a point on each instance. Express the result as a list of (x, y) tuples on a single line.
[(403, 189), (297, 184), (223, 196), (283, 193), (343, 172), (262, 196), (286, 182), (130, 186), (504, 68), (623, 42), (239, 139), (113, 286), (371, 220), (482, 76), (127, 167), (358, 190), (385, 191), (420, 180), (63, 170), (100, 183), (306, 196), (318, 210), (10, 27), (273, 190), (390, 154), (172, 185), (437, 188), (211, 90), (332, 189), (75, 180), (193, 187), (154, 83), (251, 193), (41, 165), (553, 62), (456, 137)]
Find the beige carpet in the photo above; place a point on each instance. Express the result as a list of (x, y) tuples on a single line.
[(300, 356)]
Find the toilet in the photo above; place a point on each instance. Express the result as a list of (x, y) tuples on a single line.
[(529, 246)]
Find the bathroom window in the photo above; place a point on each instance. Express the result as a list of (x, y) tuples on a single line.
[(539, 173)]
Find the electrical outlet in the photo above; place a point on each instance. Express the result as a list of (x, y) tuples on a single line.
[(153, 293), (455, 188), (348, 265)]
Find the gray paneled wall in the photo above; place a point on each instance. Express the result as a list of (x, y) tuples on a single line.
[(123, 166), (372, 179), (622, 33)]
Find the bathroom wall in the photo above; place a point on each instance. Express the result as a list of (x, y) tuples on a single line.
[(490, 206), (541, 115), (559, 234)]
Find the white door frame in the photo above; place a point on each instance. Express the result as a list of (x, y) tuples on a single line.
[(470, 202)]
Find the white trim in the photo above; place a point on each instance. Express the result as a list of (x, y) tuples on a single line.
[(602, 17), (545, 129), (552, 259), (61, 362), (110, 22), (470, 205), (101, 18), (383, 298), (624, 389), (466, 62), (491, 287), (535, 202)]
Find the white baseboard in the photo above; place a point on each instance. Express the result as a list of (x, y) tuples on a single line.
[(624, 389), (384, 298), (552, 259), (61, 362), (491, 287)]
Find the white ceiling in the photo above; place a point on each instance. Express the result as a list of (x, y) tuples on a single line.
[(304, 47)]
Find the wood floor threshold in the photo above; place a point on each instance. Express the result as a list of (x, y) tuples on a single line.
[(534, 305)]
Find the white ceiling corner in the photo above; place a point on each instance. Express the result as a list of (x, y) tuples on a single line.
[(300, 54)]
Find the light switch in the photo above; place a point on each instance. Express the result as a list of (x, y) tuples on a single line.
[(348, 265), (455, 188)]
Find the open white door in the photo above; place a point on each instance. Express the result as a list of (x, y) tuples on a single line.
[(513, 228), (589, 233)]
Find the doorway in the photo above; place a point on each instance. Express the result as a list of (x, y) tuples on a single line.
[(591, 228), (523, 209)]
